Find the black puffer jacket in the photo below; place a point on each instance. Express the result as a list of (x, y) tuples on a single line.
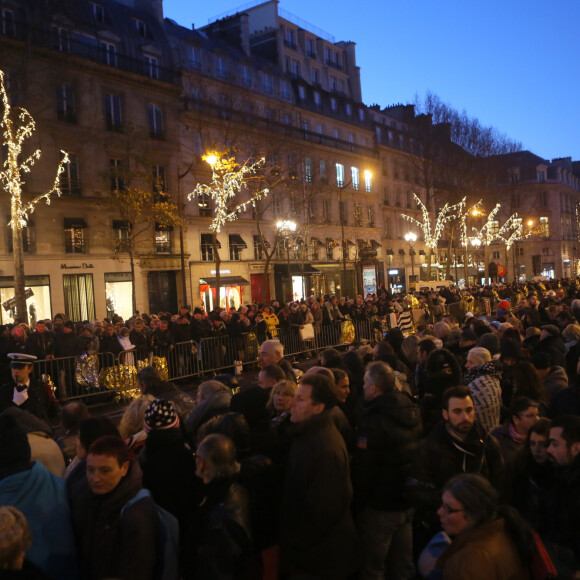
[(387, 440)]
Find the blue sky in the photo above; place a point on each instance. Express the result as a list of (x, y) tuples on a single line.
[(513, 64)]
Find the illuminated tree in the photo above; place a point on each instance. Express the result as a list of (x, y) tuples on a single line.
[(229, 179), (432, 233), (17, 127)]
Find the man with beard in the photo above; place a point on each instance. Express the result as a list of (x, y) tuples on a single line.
[(458, 444)]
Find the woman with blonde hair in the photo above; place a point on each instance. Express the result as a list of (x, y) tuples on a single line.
[(131, 426)]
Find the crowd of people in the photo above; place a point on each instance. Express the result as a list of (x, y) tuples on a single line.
[(453, 452)]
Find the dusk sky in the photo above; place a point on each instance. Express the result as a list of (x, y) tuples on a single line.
[(513, 64)]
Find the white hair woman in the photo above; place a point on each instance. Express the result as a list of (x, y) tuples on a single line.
[(483, 377)]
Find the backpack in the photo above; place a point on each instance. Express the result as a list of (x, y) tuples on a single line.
[(167, 561)]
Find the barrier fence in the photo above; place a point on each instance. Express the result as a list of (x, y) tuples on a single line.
[(105, 376)]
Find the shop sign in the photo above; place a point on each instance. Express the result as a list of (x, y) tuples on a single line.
[(83, 266)]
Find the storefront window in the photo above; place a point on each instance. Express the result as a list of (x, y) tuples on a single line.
[(37, 298), (119, 294)]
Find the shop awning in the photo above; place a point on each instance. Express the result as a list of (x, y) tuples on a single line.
[(296, 269), (401, 251), (120, 224), (163, 228), (390, 253), (375, 244), (361, 243), (206, 240), (422, 253), (237, 240), (225, 281), (349, 242), (316, 241)]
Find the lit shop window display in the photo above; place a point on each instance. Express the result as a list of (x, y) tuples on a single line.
[(37, 290), (119, 295)]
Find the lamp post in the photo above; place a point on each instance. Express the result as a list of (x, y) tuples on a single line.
[(411, 238), (476, 243), (286, 229)]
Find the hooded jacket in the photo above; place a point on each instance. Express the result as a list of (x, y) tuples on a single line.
[(484, 382)]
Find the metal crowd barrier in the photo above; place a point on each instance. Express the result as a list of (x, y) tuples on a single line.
[(105, 376)]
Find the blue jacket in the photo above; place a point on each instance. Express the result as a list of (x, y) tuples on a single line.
[(42, 498)]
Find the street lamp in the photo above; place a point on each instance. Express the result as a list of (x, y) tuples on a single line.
[(286, 229), (411, 238)]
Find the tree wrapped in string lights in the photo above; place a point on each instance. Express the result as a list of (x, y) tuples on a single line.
[(17, 127), (432, 233), (229, 179)]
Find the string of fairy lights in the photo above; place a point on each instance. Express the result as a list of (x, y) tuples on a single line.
[(14, 135), (228, 179), (509, 233)]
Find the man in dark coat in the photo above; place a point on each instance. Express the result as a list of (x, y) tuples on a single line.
[(114, 541), (26, 393), (43, 342), (564, 450), (318, 537), (552, 343), (387, 439), (458, 444), (220, 545)]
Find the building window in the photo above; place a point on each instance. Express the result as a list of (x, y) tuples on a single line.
[(109, 52), (221, 67), (289, 39), (315, 76), (246, 75), (302, 94), (310, 51), (151, 66), (495, 255), (259, 248), (494, 228), (361, 115), (333, 104), (207, 254), (204, 205), (544, 227), (69, 178), (74, 235), (237, 244), (120, 235), (305, 129), (267, 83), (79, 296), (336, 135), (348, 110), (316, 96), (194, 54), (26, 239), (98, 13), (141, 27), (371, 216), (113, 118), (333, 84), (8, 22), (65, 103), (358, 218), (343, 213), (276, 208), (155, 118), (61, 38), (308, 170), (158, 175), (326, 210), (319, 129), (368, 180), (162, 239), (354, 177), (284, 89), (116, 172), (339, 174), (330, 245), (322, 169)]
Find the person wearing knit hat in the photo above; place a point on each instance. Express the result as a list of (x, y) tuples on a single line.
[(502, 308), (160, 415)]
